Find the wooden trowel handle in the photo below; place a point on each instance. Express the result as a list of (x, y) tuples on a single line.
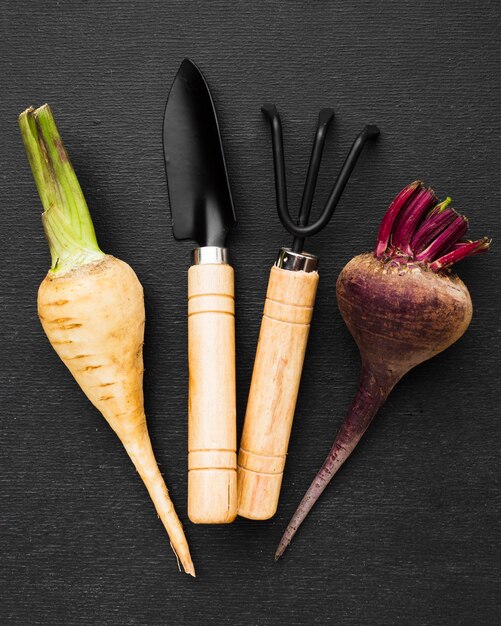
[(273, 391), (212, 476)]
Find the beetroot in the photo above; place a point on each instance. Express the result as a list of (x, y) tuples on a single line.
[(403, 305)]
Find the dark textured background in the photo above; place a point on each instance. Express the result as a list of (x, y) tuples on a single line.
[(408, 533)]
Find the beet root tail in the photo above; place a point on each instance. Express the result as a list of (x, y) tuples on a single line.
[(370, 396)]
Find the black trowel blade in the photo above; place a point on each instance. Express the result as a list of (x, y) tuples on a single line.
[(199, 190)]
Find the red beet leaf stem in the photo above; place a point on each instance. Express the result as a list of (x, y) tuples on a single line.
[(460, 251), (431, 228), (384, 234), (445, 241), (410, 219), (368, 400)]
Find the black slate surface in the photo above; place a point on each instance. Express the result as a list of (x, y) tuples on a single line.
[(408, 533)]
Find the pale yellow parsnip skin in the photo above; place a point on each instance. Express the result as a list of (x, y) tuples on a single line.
[(94, 318)]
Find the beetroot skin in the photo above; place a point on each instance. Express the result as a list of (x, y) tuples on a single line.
[(400, 315), (403, 305)]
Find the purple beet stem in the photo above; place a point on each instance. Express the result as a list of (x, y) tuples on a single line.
[(431, 228), (410, 218), (383, 237), (368, 400), (444, 242), (461, 250)]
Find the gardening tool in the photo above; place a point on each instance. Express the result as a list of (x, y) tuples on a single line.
[(202, 210), (284, 328)]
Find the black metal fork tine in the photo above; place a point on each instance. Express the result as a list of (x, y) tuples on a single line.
[(324, 118), (369, 132), (270, 110)]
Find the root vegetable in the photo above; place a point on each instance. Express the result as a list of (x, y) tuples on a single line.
[(92, 311), (403, 305)]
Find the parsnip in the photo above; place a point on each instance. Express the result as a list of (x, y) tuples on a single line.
[(92, 310)]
